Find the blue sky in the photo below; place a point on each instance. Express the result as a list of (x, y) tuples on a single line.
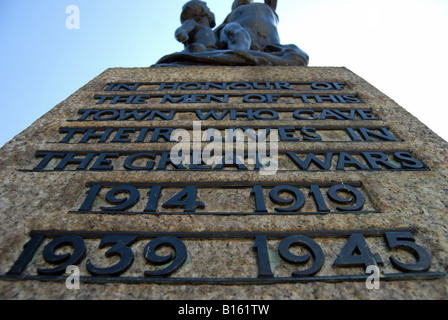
[(399, 46)]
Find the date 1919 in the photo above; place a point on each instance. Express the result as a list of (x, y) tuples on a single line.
[(241, 199)]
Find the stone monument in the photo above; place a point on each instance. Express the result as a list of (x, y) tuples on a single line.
[(230, 170)]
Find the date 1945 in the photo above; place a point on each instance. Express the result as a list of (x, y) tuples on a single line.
[(231, 257)]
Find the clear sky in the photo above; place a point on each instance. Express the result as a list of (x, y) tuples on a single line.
[(399, 46)]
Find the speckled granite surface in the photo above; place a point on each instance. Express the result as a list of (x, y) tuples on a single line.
[(48, 200)]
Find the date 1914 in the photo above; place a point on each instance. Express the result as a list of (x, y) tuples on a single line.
[(242, 199)]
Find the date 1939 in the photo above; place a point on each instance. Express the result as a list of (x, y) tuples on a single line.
[(262, 254)]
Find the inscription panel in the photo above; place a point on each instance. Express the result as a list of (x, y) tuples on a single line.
[(239, 257), (234, 198), (227, 98), (294, 160), (217, 114), (225, 85), (82, 135), (248, 257)]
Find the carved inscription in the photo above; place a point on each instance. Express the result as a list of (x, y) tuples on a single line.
[(158, 257), (285, 133), (329, 160), (307, 98), (226, 86), (264, 114), (241, 198), (267, 257)]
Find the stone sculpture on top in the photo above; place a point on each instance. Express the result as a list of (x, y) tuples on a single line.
[(248, 36)]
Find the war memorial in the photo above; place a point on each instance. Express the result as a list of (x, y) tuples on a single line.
[(229, 170)]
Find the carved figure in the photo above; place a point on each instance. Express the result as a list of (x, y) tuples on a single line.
[(259, 20), (234, 37), (196, 31), (247, 37)]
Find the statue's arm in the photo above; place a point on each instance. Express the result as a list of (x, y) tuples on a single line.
[(182, 33), (271, 3)]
